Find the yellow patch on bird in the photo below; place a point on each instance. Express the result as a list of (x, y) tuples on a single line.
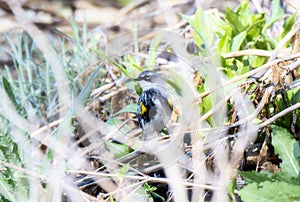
[(143, 109), (170, 103)]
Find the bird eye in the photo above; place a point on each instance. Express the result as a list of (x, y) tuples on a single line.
[(146, 78)]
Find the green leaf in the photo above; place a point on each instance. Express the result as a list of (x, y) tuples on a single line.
[(123, 171), (270, 191), (151, 60), (111, 198), (277, 13), (255, 177), (244, 14), (206, 105), (244, 67), (88, 86), (133, 61), (138, 89), (155, 195), (203, 28), (132, 108), (257, 61), (231, 188), (288, 24), (204, 36), (237, 41), (255, 29), (233, 18), (9, 91), (285, 146), (224, 43), (118, 150), (294, 94), (120, 67)]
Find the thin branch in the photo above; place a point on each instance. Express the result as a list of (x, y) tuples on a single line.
[(41, 130), (44, 178), (249, 52), (285, 39), (145, 178), (244, 76), (279, 115)]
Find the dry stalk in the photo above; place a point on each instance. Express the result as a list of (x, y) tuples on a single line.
[(44, 178), (279, 115), (244, 76), (144, 178), (249, 52)]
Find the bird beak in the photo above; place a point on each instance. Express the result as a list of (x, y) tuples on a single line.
[(130, 80)]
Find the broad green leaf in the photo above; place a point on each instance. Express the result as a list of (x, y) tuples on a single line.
[(277, 13), (270, 191), (204, 36), (297, 153), (294, 94), (238, 40), (243, 67), (118, 150), (129, 108), (197, 36), (244, 14), (224, 43), (257, 61), (217, 24), (204, 29), (233, 19), (285, 146), (259, 177), (255, 29), (138, 89)]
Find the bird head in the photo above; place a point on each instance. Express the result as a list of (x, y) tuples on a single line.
[(149, 78)]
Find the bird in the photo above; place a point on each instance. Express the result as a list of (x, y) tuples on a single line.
[(154, 105)]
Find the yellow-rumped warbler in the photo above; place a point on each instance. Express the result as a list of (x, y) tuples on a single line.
[(154, 105)]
